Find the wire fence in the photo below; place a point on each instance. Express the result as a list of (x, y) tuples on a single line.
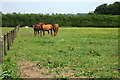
[(7, 40)]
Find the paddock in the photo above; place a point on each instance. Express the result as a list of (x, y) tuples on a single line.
[(74, 53)]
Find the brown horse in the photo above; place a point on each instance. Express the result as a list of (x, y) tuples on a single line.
[(46, 27), (37, 28), (55, 29)]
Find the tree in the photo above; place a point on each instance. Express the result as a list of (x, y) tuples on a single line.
[(0, 12), (102, 9), (53, 14), (78, 14), (14, 13), (91, 13), (113, 9)]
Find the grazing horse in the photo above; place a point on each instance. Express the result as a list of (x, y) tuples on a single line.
[(37, 28), (46, 27), (55, 29)]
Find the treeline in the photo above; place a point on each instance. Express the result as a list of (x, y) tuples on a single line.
[(112, 9), (9, 20)]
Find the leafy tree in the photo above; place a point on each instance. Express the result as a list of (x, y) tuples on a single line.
[(14, 13), (113, 9), (1, 12), (102, 9)]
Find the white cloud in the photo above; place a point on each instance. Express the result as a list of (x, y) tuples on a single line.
[(58, 0)]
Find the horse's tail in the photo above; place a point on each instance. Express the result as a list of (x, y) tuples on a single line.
[(55, 27)]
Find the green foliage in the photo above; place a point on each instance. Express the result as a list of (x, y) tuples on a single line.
[(9, 70), (93, 20), (113, 9)]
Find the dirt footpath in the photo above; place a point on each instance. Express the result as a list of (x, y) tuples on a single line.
[(30, 70)]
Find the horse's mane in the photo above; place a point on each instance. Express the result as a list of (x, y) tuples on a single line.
[(40, 23)]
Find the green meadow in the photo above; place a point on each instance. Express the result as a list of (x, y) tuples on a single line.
[(5, 29), (85, 52)]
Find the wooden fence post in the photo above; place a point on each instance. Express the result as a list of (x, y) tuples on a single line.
[(13, 34), (5, 41), (10, 37), (1, 49), (18, 27), (8, 41)]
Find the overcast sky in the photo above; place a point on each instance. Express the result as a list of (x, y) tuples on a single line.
[(51, 6), (58, 0)]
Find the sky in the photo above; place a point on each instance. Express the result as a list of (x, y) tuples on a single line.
[(51, 6)]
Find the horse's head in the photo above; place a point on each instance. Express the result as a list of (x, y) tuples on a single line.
[(33, 25), (37, 25), (41, 24)]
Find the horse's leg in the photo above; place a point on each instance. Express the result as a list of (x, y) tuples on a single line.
[(51, 32), (48, 31), (43, 32), (54, 33), (34, 32), (40, 32)]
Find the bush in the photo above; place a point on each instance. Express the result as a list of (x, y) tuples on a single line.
[(9, 20)]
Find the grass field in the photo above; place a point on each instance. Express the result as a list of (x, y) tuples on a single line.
[(5, 29), (2, 32), (74, 52)]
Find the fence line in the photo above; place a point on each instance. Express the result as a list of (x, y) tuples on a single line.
[(1, 50), (7, 41)]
